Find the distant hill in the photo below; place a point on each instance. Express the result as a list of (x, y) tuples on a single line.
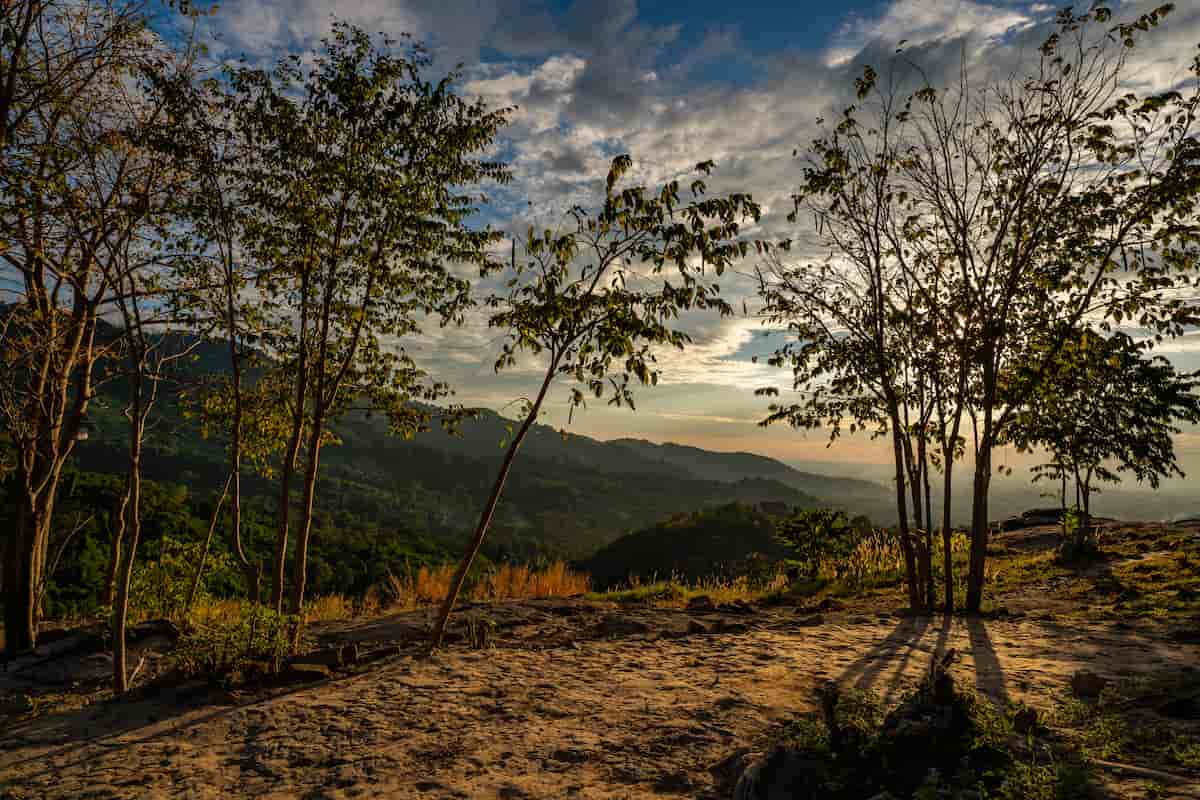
[(568, 496), (734, 466), (705, 544)]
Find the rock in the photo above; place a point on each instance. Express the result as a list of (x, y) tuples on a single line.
[(1181, 708), (569, 756), (784, 774), (1026, 719), (734, 627), (152, 628), (616, 625), (696, 627), (673, 782), (700, 604), (332, 657), (68, 670), (302, 673), (811, 622), (62, 643), (730, 768), (1085, 683), (737, 607), (859, 620), (378, 653)]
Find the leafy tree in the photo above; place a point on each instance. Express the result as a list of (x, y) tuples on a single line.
[(78, 184), (594, 301), (356, 207), (818, 535), (998, 209), (1105, 407)]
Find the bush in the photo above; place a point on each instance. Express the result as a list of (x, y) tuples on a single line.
[(818, 535), (940, 743), (227, 637)]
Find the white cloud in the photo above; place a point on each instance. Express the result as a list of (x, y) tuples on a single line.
[(919, 22)]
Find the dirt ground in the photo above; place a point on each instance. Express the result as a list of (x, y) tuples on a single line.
[(576, 700)]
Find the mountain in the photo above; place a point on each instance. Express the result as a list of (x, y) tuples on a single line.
[(733, 466), (567, 497), (717, 543)]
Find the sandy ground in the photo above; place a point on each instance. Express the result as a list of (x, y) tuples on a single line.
[(543, 715)]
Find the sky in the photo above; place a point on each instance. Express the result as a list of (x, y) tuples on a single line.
[(673, 83)]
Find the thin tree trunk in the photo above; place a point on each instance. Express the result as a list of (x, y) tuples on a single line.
[(20, 617), (979, 527), (485, 518), (212, 526), (116, 527), (906, 545), (285, 491), (300, 565), (947, 529), (132, 527), (930, 588)]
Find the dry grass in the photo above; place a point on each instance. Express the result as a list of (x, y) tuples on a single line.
[(328, 608), (430, 585), (676, 592), (423, 587), (519, 582)]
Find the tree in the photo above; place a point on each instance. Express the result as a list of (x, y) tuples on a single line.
[(1105, 407), (1009, 207), (848, 355), (816, 535), (75, 186), (590, 304), (355, 208)]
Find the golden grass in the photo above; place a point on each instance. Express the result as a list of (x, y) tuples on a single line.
[(519, 582), (676, 592), (429, 585), (328, 608), (423, 587)]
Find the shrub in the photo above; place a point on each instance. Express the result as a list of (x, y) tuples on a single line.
[(818, 535), (228, 636)]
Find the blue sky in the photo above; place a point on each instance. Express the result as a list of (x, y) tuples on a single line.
[(673, 83)]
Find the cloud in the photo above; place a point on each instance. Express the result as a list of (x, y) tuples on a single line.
[(919, 22), (595, 79)]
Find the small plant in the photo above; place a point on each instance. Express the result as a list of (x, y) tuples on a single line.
[(220, 644), (481, 632), (818, 535)]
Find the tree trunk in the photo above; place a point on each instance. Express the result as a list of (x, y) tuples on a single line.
[(132, 527), (212, 526), (116, 529), (485, 518), (947, 529), (906, 545), (20, 612), (979, 527), (930, 588), (300, 561), (285, 492)]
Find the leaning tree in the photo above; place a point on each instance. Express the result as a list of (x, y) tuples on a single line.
[(593, 302)]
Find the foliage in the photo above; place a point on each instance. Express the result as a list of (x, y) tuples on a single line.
[(1103, 408), (163, 578), (710, 544), (817, 536), (1071, 199), (938, 742), (217, 646)]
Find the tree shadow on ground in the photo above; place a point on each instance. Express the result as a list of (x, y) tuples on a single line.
[(102, 723), (989, 674), (904, 640)]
